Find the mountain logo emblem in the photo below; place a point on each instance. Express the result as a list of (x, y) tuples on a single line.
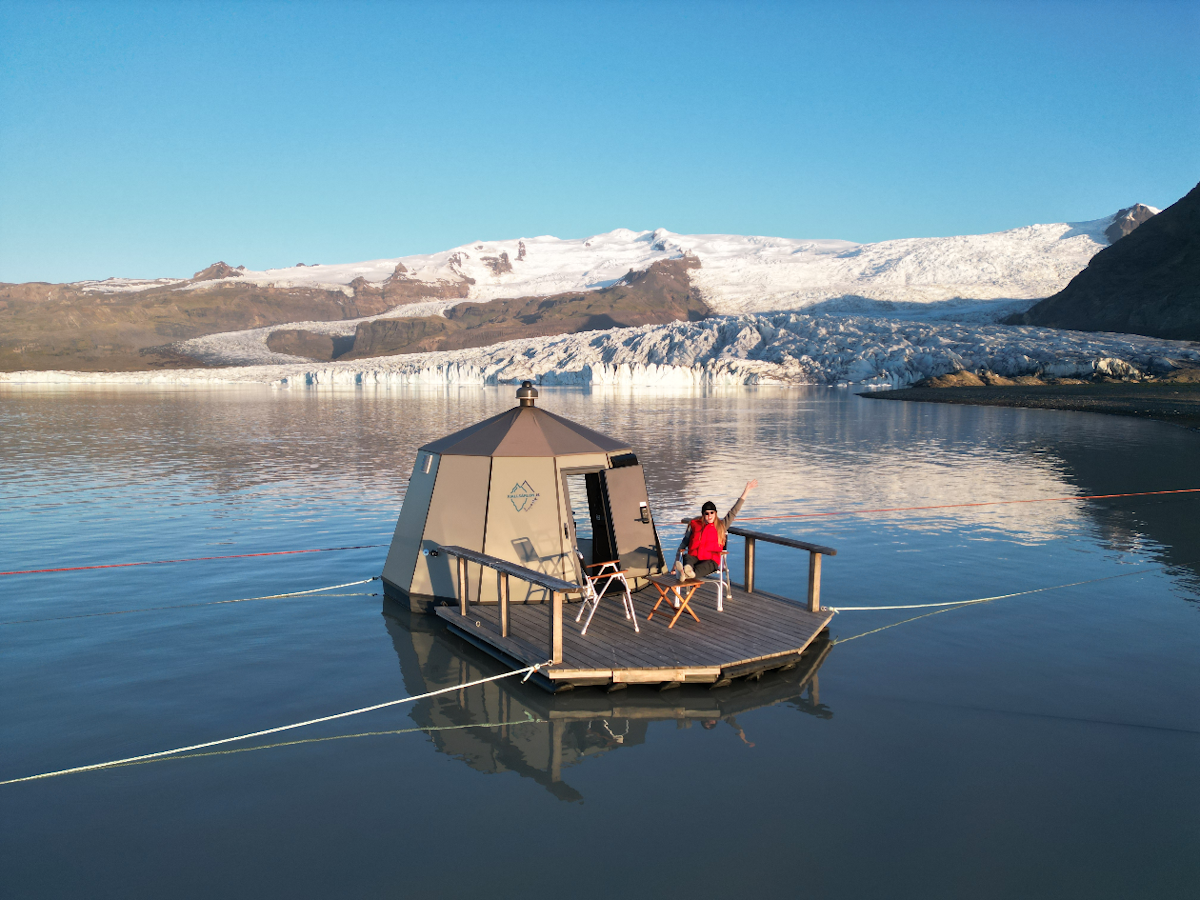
[(522, 496)]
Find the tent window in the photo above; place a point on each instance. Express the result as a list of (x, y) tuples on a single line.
[(621, 460)]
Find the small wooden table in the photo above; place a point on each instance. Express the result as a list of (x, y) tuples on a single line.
[(668, 585)]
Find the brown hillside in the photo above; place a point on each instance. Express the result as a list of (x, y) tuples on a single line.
[(660, 294), (59, 326)]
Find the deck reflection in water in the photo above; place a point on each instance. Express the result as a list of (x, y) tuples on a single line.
[(506, 726)]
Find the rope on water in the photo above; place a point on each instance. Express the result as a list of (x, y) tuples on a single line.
[(963, 603), (854, 637), (527, 672), (163, 562), (423, 729), (864, 512), (122, 612), (987, 599)]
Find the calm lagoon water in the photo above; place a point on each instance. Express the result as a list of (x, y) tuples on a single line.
[(1044, 745)]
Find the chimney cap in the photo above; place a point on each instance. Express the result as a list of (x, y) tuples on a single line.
[(527, 393)]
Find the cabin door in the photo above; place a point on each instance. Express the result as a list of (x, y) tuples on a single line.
[(587, 527), (633, 535)]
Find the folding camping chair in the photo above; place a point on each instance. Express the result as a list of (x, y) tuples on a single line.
[(609, 572), (721, 575)]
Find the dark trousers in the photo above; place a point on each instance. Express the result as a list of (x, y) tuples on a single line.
[(702, 567)]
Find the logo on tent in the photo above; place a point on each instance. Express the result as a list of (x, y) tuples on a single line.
[(523, 496)]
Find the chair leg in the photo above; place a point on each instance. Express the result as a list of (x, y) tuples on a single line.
[(596, 596), (630, 612), (627, 600), (589, 621)]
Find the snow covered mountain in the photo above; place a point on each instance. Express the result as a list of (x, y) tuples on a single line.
[(738, 274), (784, 312)]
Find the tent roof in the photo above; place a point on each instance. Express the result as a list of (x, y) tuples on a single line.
[(524, 431)]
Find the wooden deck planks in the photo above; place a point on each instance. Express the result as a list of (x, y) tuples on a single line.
[(749, 627), (751, 636), (756, 626), (752, 627)]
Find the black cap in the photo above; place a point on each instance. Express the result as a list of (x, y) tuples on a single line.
[(707, 506)]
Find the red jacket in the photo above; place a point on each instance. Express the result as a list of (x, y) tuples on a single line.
[(705, 540)]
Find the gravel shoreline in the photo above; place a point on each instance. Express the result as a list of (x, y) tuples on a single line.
[(1178, 404)]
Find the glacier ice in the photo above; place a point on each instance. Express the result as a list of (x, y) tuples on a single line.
[(786, 348)]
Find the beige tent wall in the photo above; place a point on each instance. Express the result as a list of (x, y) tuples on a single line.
[(457, 513), (406, 542), (523, 524)]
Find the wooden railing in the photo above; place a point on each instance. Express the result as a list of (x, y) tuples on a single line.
[(555, 586), (815, 552)]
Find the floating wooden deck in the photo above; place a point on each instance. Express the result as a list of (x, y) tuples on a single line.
[(756, 632)]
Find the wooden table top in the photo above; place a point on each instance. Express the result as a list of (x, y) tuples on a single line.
[(672, 582)]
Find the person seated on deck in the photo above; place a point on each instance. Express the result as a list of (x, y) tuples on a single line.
[(700, 552)]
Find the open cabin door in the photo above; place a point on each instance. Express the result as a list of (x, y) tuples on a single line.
[(633, 537), (587, 529)]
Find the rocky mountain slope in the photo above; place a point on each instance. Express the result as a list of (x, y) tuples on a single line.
[(1148, 282), (660, 294), (48, 326)]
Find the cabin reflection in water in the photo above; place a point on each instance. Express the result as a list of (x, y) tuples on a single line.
[(506, 726)]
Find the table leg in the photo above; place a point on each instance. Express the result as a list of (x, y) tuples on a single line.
[(662, 595), (684, 604)]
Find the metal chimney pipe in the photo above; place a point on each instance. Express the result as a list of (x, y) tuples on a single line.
[(527, 393)]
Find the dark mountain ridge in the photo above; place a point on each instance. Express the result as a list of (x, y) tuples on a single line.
[(1147, 282)]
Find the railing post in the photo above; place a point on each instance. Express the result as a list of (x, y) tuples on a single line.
[(503, 604), (749, 565), (556, 616), (556, 749), (463, 595), (814, 581)]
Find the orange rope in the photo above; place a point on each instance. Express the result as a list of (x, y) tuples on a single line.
[(864, 512), (163, 562)]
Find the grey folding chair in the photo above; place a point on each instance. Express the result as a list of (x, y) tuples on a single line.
[(610, 573)]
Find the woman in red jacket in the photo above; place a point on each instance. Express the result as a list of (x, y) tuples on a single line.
[(700, 552)]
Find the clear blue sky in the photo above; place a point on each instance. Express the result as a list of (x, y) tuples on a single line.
[(151, 139)]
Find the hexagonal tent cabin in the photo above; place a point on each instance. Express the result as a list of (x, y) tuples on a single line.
[(527, 487)]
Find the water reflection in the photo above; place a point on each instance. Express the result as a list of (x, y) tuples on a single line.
[(1167, 527), (520, 728)]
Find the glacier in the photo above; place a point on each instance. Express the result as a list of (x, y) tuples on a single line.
[(787, 312), (785, 348)]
